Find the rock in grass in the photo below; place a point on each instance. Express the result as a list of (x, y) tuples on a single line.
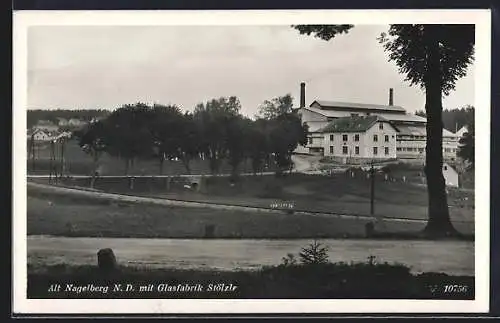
[(106, 259)]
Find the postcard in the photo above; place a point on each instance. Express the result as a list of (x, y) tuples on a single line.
[(280, 161)]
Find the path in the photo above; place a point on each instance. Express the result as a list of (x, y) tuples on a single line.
[(451, 257)]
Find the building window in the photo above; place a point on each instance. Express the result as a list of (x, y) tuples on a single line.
[(398, 149), (386, 138), (344, 137), (310, 141), (386, 150), (344, 150), (331, 137), (354, 114), (445, 167), (447, 150), (331, 149), (356, 150), (375, 138), (375, 150), (356, 137), (381, 126), (420, 150)]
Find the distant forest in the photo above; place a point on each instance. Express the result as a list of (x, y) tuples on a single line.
[(455, 119), (35, 115)]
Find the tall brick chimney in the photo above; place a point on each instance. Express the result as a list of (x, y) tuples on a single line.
[(391, 96), (302, 95)]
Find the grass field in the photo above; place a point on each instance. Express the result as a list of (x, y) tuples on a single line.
[(328, 281), (338, 194), (51, 214)]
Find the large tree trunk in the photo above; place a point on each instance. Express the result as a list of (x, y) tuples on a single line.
[(439, 224)]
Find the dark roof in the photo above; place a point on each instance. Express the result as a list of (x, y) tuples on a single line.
[(353, 124), (358, 106)]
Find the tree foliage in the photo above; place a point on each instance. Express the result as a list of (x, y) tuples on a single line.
[(53, 115), (324, 32), (314, 254), (466, 148), (212, 119), (286, 133), (190, 144), (408, 46), (237, 141), (92, 140), (276, 107), (455, 119), (129, 134), (166, 128)]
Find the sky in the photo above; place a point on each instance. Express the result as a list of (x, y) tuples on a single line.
[(105, 67)]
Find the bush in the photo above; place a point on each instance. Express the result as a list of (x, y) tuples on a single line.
[(314, 253)]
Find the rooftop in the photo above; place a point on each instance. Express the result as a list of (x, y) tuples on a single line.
[(389, 116), (352, 124), (362, 106), (421, 131)]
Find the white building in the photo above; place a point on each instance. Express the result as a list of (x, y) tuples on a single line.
[(412, 142), (39, 135), (460, 133), (359, 139), (411, 131)]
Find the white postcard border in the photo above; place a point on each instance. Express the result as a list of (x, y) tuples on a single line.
[(22, 20)]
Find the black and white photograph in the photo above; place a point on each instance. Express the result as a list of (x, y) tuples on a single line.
[(253, 159)]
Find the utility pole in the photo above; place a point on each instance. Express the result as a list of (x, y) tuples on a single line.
[(50, 160), (62, 141), (372, 189)]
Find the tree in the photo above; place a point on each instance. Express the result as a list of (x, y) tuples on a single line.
[(129, 133), (286, 133), (189, 147), (276, 107), (211, 119), (237, 141), (166, 127), (258, 147), (433, 57), (92, 140), (466, 148), (455, 119)]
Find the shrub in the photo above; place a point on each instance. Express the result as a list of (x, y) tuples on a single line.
[(314, 253), (289, 260)]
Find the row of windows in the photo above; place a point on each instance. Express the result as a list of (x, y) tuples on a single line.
[(356, 150), (421, 150), (356, 137)]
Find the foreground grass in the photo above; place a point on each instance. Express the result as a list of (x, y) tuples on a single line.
[(327, 281)]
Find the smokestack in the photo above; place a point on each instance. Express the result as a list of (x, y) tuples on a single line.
[(391, 96), (302, 95)]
